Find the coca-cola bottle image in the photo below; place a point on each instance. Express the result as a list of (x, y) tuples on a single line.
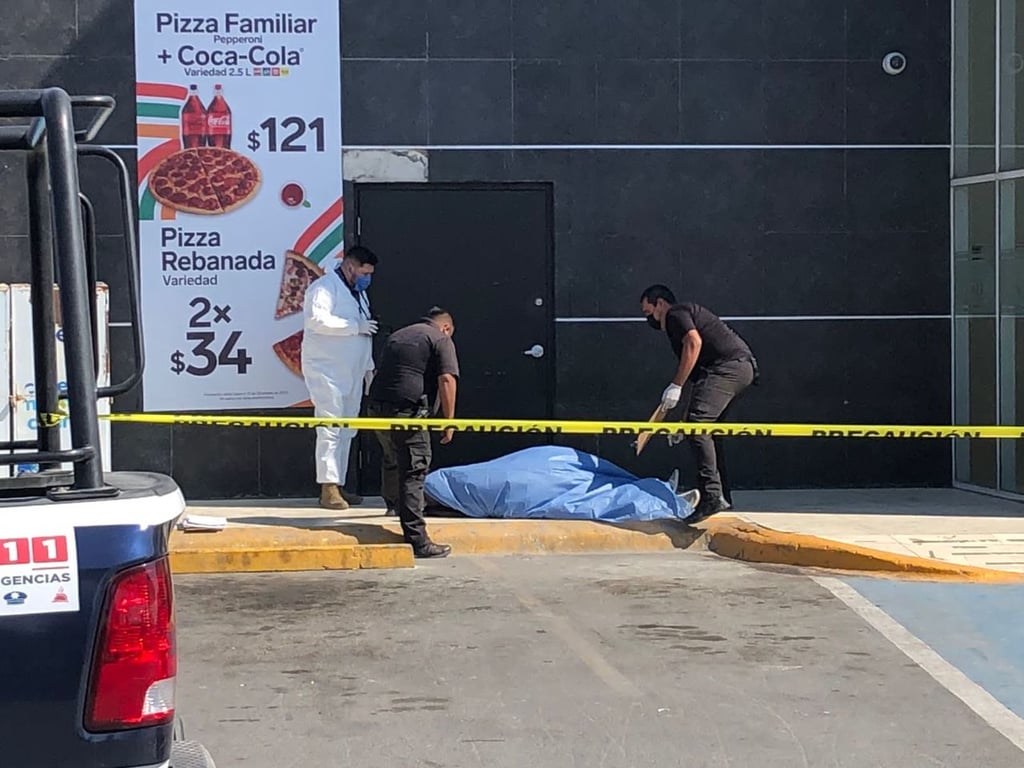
[(218, 120), (193, 120)]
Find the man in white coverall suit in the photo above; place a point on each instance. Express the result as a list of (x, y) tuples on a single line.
[(337, 363)]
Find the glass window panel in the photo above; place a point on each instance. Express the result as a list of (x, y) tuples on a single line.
[(974, 87), (1011, 86), (1011, 320), (974, 340)]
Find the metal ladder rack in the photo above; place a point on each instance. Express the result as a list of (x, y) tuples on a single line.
[(62, 239)]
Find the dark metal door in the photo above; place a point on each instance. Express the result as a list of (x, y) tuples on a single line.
[(483, 252)]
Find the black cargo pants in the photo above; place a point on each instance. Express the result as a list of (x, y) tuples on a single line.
[(712, 392), (407, 456)]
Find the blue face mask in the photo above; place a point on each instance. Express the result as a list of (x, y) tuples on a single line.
[(362, 282)]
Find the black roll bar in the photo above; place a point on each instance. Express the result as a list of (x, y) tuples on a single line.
[(19, 445), (89, 227), (78, 455), (60, 168), (105, 108), (30, 103), (44, 343), (20, 137), (131, 245)]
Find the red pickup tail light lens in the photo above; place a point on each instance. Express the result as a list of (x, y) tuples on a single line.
[(133, 674)]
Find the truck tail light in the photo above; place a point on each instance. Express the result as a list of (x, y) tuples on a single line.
[(132, 681)]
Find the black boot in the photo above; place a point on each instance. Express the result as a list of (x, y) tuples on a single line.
[(432, 550), (708, 506)]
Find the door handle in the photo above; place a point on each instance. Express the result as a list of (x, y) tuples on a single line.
[(536, 351)]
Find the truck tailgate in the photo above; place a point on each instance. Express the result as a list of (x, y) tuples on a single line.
[(47, 659)]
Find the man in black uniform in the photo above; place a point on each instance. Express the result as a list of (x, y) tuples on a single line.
[(719, 364), (417, 367)]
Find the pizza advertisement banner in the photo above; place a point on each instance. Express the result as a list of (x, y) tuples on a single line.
[(240, 193)]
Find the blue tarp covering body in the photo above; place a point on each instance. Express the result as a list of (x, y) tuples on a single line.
[(554, 483)]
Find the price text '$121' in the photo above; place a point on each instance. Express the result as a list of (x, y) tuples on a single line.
[(290, 134)]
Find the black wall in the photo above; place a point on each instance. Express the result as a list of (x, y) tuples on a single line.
[(754, 230)]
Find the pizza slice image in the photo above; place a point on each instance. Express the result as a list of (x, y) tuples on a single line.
[(297, 275), (289, 352)]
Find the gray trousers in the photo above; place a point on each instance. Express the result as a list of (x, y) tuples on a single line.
[(712, 392), (406, 462)]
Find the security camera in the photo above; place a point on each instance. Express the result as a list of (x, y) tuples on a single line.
[(894, 63)]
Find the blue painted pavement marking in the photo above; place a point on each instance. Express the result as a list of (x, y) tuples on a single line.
[(977, 628)]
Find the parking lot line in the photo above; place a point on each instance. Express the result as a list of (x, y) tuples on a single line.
[(980, 701)]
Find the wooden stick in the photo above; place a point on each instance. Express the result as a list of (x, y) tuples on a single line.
[(641, 441)]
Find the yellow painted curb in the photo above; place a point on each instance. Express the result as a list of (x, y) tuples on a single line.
[(292, 559), (741, 540), (355, 545), (352, 545), (504, 537), (262, 550)]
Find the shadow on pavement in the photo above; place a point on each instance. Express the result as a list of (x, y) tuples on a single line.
[(386, 531), (363, 533), (681, 535)]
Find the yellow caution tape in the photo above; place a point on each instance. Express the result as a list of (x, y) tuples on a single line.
[(512, 426), (53, 419)]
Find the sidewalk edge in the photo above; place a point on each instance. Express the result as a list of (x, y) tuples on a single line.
[(289, 557), (742, 540), (272, 548)]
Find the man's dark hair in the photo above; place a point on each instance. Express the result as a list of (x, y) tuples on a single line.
[(437, 313), (361, 255), (655, 292)]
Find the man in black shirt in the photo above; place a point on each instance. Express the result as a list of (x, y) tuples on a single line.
[(720, 366), (418, 367)]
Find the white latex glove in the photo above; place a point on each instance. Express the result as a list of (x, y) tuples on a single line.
[(368, 380), (675, 439), (367, 327), (670, 397)]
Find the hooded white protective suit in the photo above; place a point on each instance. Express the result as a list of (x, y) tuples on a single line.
[(337, 355)]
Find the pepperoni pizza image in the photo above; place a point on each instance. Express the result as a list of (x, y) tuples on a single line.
[(296, 277), (289, 352), (205, 180)]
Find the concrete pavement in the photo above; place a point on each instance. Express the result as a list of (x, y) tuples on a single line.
[(934, 533), (600, 660)]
